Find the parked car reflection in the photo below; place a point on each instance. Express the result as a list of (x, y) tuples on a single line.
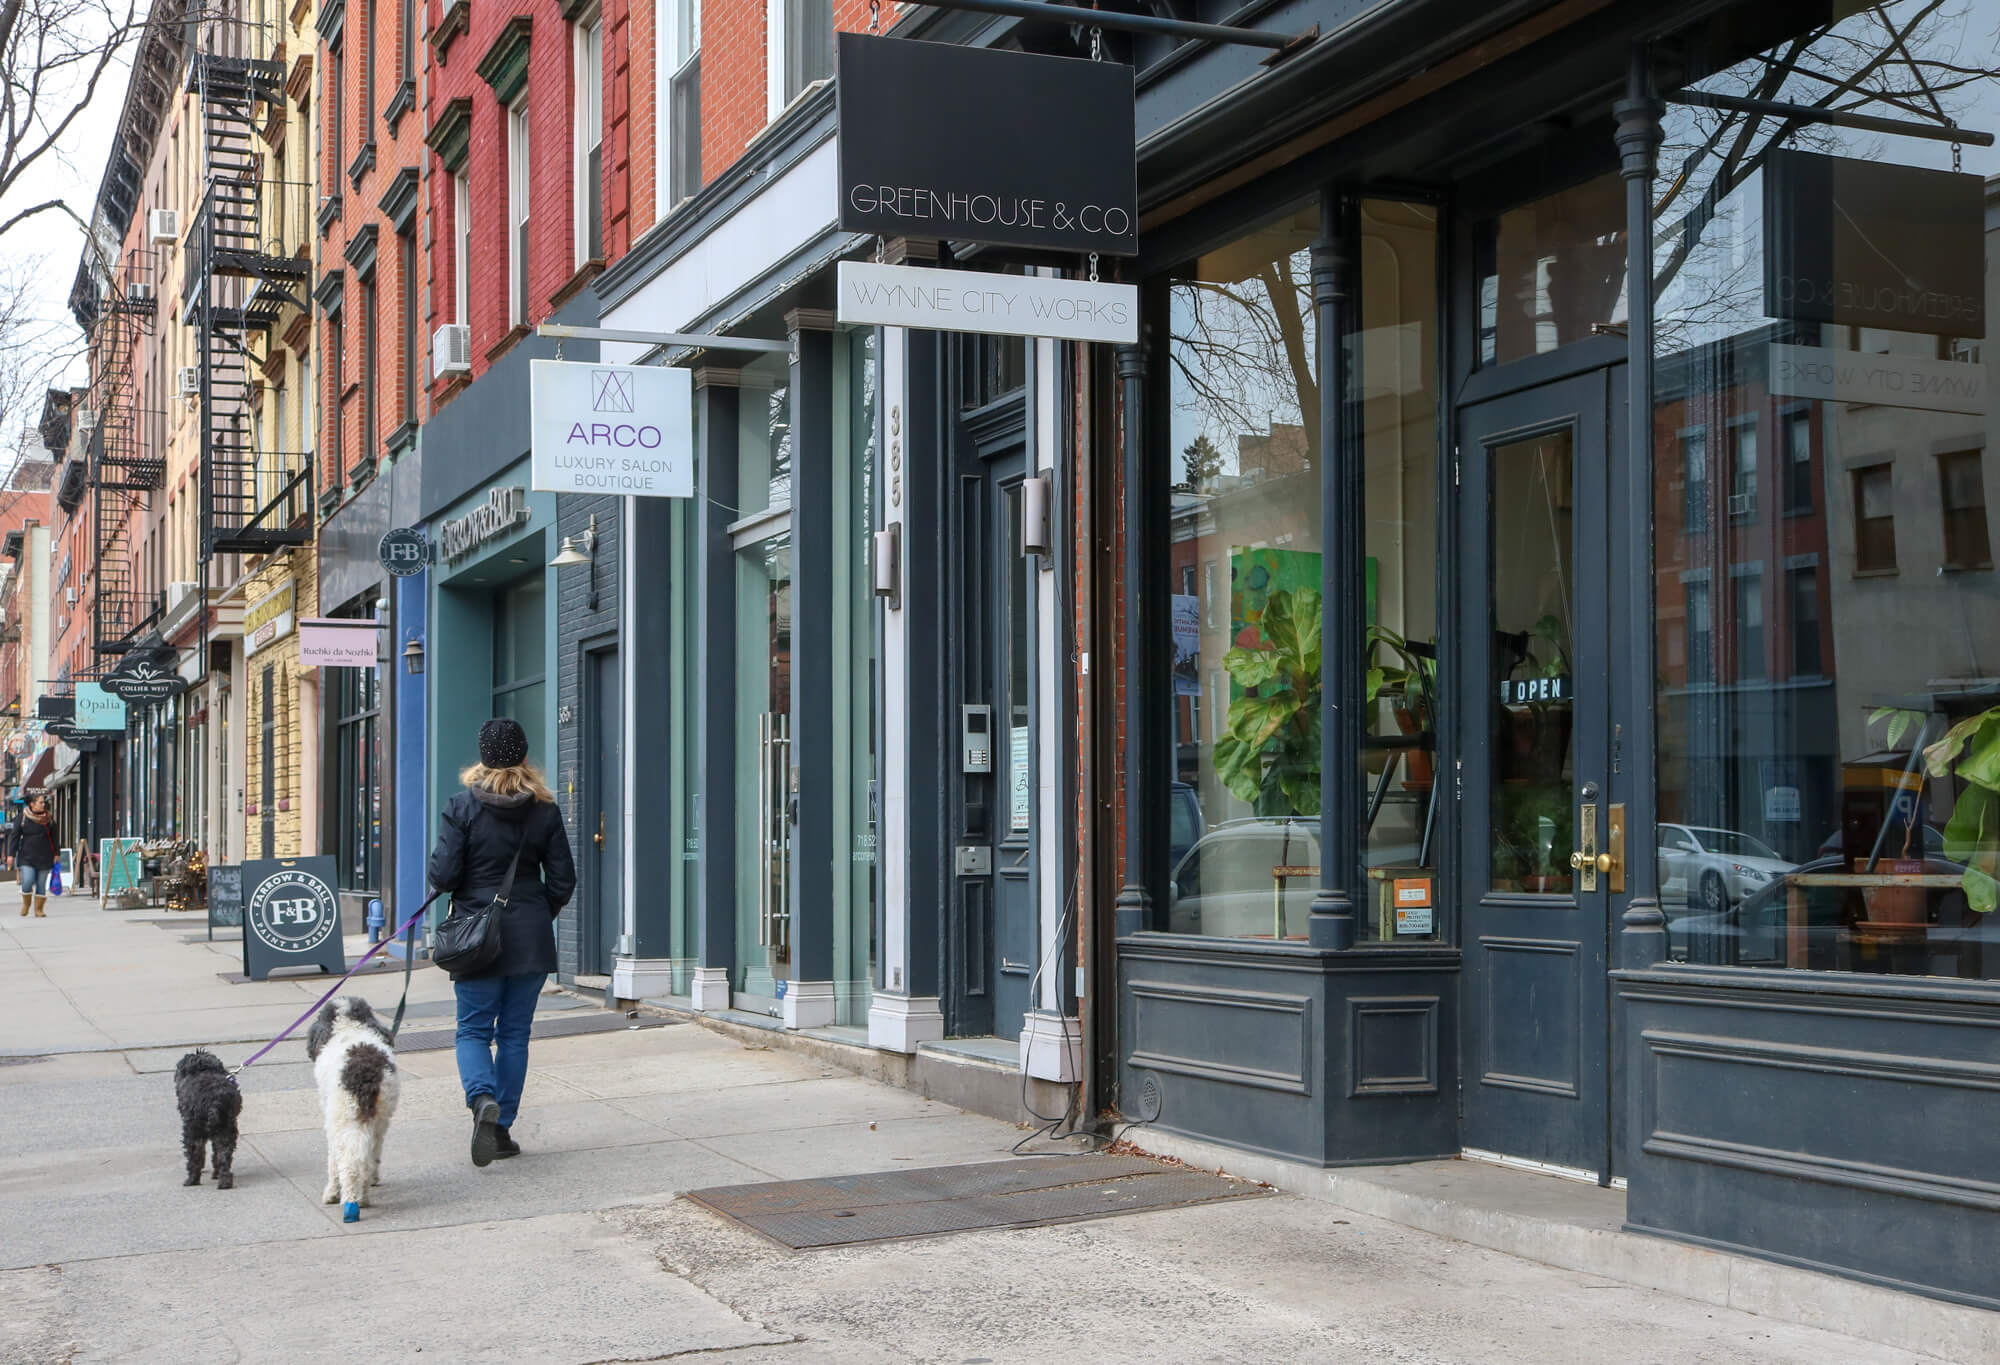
[(1836, 930), (1713, 869), (1249, 878)]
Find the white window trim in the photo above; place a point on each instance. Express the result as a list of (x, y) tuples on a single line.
[(774, 59), (669, 60), (461, 249), (518, 209), (589, 89)]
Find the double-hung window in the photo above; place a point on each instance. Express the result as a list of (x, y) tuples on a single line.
[(589, 196), (517, 214), (461, 246), (799, 50), (678, 55)]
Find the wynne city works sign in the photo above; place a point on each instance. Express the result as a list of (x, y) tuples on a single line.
[(978, 145)]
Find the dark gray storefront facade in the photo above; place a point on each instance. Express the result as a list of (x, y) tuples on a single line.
[(1518, 429)]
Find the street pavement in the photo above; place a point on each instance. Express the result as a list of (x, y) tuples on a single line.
[(579, 1251)]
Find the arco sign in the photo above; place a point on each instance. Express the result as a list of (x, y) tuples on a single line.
[(623, 429)]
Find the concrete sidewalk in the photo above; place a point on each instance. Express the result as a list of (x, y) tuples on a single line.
[(579, 1252)]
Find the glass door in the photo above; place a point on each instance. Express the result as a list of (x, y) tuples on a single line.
[(1539, 839), (764, 772)]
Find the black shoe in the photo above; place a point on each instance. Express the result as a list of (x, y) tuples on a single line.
[(504, 1145), (485, 1123)]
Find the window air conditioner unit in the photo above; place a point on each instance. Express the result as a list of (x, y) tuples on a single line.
[(69, 596), (140, 292), (451, 350), (86, 419), (178, 593), (1742, 504), (189, 385), (164, 225)]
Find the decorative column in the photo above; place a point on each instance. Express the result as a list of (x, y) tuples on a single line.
[(1331, 919), (717, 397), (905, 1010), (1135, 911), (642, 968), (809, 998), (1642, 941)]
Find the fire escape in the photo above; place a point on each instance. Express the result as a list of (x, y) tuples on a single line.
[(255, 497), (126, 463)]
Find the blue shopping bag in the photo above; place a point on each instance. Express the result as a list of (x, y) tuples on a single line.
[(55, 877)]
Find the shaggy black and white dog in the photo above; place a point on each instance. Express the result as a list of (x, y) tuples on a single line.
[(354, 1062), (209, 1103)]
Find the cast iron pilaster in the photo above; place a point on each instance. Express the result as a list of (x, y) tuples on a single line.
[(1134, 911), (1643, 938), (811, 785), (715, 688), (1330, 922)]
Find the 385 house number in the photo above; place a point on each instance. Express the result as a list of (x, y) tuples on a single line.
[(895, 455)]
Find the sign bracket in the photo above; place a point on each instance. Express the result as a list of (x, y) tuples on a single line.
[(562, 331), (1282, 45), (1838, 118)]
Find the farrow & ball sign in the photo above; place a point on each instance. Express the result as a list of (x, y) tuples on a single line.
[(973, 144), (403, 552), (291, 917), (625, 429), (503, 510)]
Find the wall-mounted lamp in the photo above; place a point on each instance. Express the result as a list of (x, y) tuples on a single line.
[(569, 554), (889, 565), (1035, 517), (413, 655)]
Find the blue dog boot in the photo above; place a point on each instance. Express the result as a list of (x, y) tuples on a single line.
[(350, 1212)]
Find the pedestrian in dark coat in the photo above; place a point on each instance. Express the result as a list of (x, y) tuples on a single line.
[(31, 845), (506, 806)]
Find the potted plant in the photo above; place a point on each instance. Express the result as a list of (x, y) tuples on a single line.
[(1971, 751), (1269, 753), (1538, 731), (1407, 679), (1891, 902), (1532, 837)]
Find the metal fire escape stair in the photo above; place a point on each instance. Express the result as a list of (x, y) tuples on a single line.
[(126, 466), (255, 499)]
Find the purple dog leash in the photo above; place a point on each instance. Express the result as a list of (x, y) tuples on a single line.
[(409, 953)]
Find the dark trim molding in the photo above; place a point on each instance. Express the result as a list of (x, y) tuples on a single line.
[(400, 103), (360, 251), (578, 282), (330, 291), (401, 441), (451, 133), (329, 212), (453, 23), (506, 341), (505, 65), (364, 162), (399, 202), (332, 20)]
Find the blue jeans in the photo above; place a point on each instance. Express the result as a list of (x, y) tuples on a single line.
[(34, 880), (495, 1014)]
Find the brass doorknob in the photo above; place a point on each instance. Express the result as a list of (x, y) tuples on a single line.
[(599, 836), (1580, 860)]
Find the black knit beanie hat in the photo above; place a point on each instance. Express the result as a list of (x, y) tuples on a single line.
[(503, 743)]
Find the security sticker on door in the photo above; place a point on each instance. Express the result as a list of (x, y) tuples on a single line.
[(1413, 905)]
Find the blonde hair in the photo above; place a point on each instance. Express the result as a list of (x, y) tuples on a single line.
[(522, 777)]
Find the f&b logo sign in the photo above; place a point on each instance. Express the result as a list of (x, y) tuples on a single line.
[(291, 916), (403, 552)]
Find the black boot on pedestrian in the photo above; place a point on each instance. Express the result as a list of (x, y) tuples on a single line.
[(485, 1125), (504, 1145)]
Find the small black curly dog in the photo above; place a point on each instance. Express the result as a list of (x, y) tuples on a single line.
[(209, 1102)]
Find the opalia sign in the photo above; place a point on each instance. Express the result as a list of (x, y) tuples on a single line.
[(625, 429)]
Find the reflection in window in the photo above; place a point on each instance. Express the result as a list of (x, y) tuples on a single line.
[(1827, 798), (1694, 501), (1874, 520), (1552, 273), (1965, 542), (1244, 392)]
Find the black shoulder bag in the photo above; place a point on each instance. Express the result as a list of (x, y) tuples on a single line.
[(468, 942)]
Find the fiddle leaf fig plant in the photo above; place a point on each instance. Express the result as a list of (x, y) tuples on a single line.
[(1269, 753), (1971, 749)]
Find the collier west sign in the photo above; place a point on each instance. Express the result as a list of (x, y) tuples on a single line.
[(612, 429), (997, 305), (977, 144)]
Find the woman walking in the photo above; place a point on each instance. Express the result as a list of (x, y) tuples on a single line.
[(31, 846), (506, 818)]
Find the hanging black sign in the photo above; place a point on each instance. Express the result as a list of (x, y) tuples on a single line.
[(56, 708), (291, 916), (973, 144), (403, 552), (1866, 244), (143, 683), (66, 730)]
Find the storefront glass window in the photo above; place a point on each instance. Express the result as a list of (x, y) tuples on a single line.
[(357, 798), (764, 439), (1395, 358), (520, 686), (855, 820), (763, 770), (1552, 273), (1245, 433), (1828, 715)]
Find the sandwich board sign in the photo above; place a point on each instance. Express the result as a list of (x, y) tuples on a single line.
[(120, 866), (225, 896), (291, 916)]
